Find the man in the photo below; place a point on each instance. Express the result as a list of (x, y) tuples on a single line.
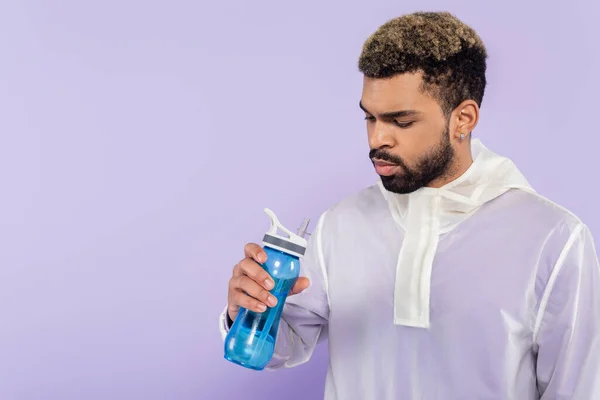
[(450, 278)]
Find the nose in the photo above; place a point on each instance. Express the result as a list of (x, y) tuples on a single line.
[(380, 135)]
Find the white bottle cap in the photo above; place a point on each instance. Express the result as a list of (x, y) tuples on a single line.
[(288, 242)]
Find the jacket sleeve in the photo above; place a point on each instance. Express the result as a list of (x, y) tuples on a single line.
[(305, 315), (567, 330)]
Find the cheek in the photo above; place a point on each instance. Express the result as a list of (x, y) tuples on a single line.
[(419, 139)]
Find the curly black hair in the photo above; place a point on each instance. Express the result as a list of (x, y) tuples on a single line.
[(449, 54)]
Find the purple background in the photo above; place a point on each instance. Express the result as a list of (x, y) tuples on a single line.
[(140, 141)]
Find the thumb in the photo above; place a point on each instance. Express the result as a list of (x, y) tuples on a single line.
[(301, 285)]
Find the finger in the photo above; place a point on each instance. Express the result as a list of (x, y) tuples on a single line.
[(256, 273), (233, 310), (237, 270), (255, 252), (249, 303), (253, 289), (301, 285)]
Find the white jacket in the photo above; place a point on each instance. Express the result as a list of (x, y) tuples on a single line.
[(479, 290)]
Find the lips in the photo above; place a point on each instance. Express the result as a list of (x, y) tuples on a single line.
[(384, 168)]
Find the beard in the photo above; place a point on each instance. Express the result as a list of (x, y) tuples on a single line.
[(433, 165)]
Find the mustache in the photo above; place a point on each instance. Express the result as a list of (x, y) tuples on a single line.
[(385, 156)]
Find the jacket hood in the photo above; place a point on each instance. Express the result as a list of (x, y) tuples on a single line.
[(428, 212)]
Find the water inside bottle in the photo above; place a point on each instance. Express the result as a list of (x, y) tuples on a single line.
[(247, 348)]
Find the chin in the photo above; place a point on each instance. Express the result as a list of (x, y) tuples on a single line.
[(391, 184)]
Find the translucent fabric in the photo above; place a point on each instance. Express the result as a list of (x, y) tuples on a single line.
[(482, 289)]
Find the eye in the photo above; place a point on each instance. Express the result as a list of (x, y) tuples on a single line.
[(369, 118), (403, 125)]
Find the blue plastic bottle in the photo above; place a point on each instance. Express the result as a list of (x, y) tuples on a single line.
[(251, 339)]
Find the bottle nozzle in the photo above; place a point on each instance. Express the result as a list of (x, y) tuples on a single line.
[(303, 228), (287, 240)]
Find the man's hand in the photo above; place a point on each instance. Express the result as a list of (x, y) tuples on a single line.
[(250, 284)]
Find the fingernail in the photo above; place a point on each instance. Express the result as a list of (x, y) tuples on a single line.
[(268, 284), (261, 257), (272, 301), (262, 307)]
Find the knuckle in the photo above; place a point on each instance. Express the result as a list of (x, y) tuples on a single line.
[(246, 265), (235, 297), (242, 282), (240, 298), (252, 287), (235, 282), (242, 286)]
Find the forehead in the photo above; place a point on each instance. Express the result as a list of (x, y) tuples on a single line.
[(400, 92)]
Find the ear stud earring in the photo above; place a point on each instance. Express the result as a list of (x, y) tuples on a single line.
[(462, 136)]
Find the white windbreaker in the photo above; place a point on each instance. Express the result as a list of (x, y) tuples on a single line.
[(481, 289)]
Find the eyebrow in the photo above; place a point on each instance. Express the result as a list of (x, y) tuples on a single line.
[(392, 114)]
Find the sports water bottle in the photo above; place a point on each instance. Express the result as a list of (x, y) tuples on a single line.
[(251, 339)]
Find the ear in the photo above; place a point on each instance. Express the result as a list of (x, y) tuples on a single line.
[(465, 118)]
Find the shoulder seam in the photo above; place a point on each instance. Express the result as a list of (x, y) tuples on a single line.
[(566, 210)]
